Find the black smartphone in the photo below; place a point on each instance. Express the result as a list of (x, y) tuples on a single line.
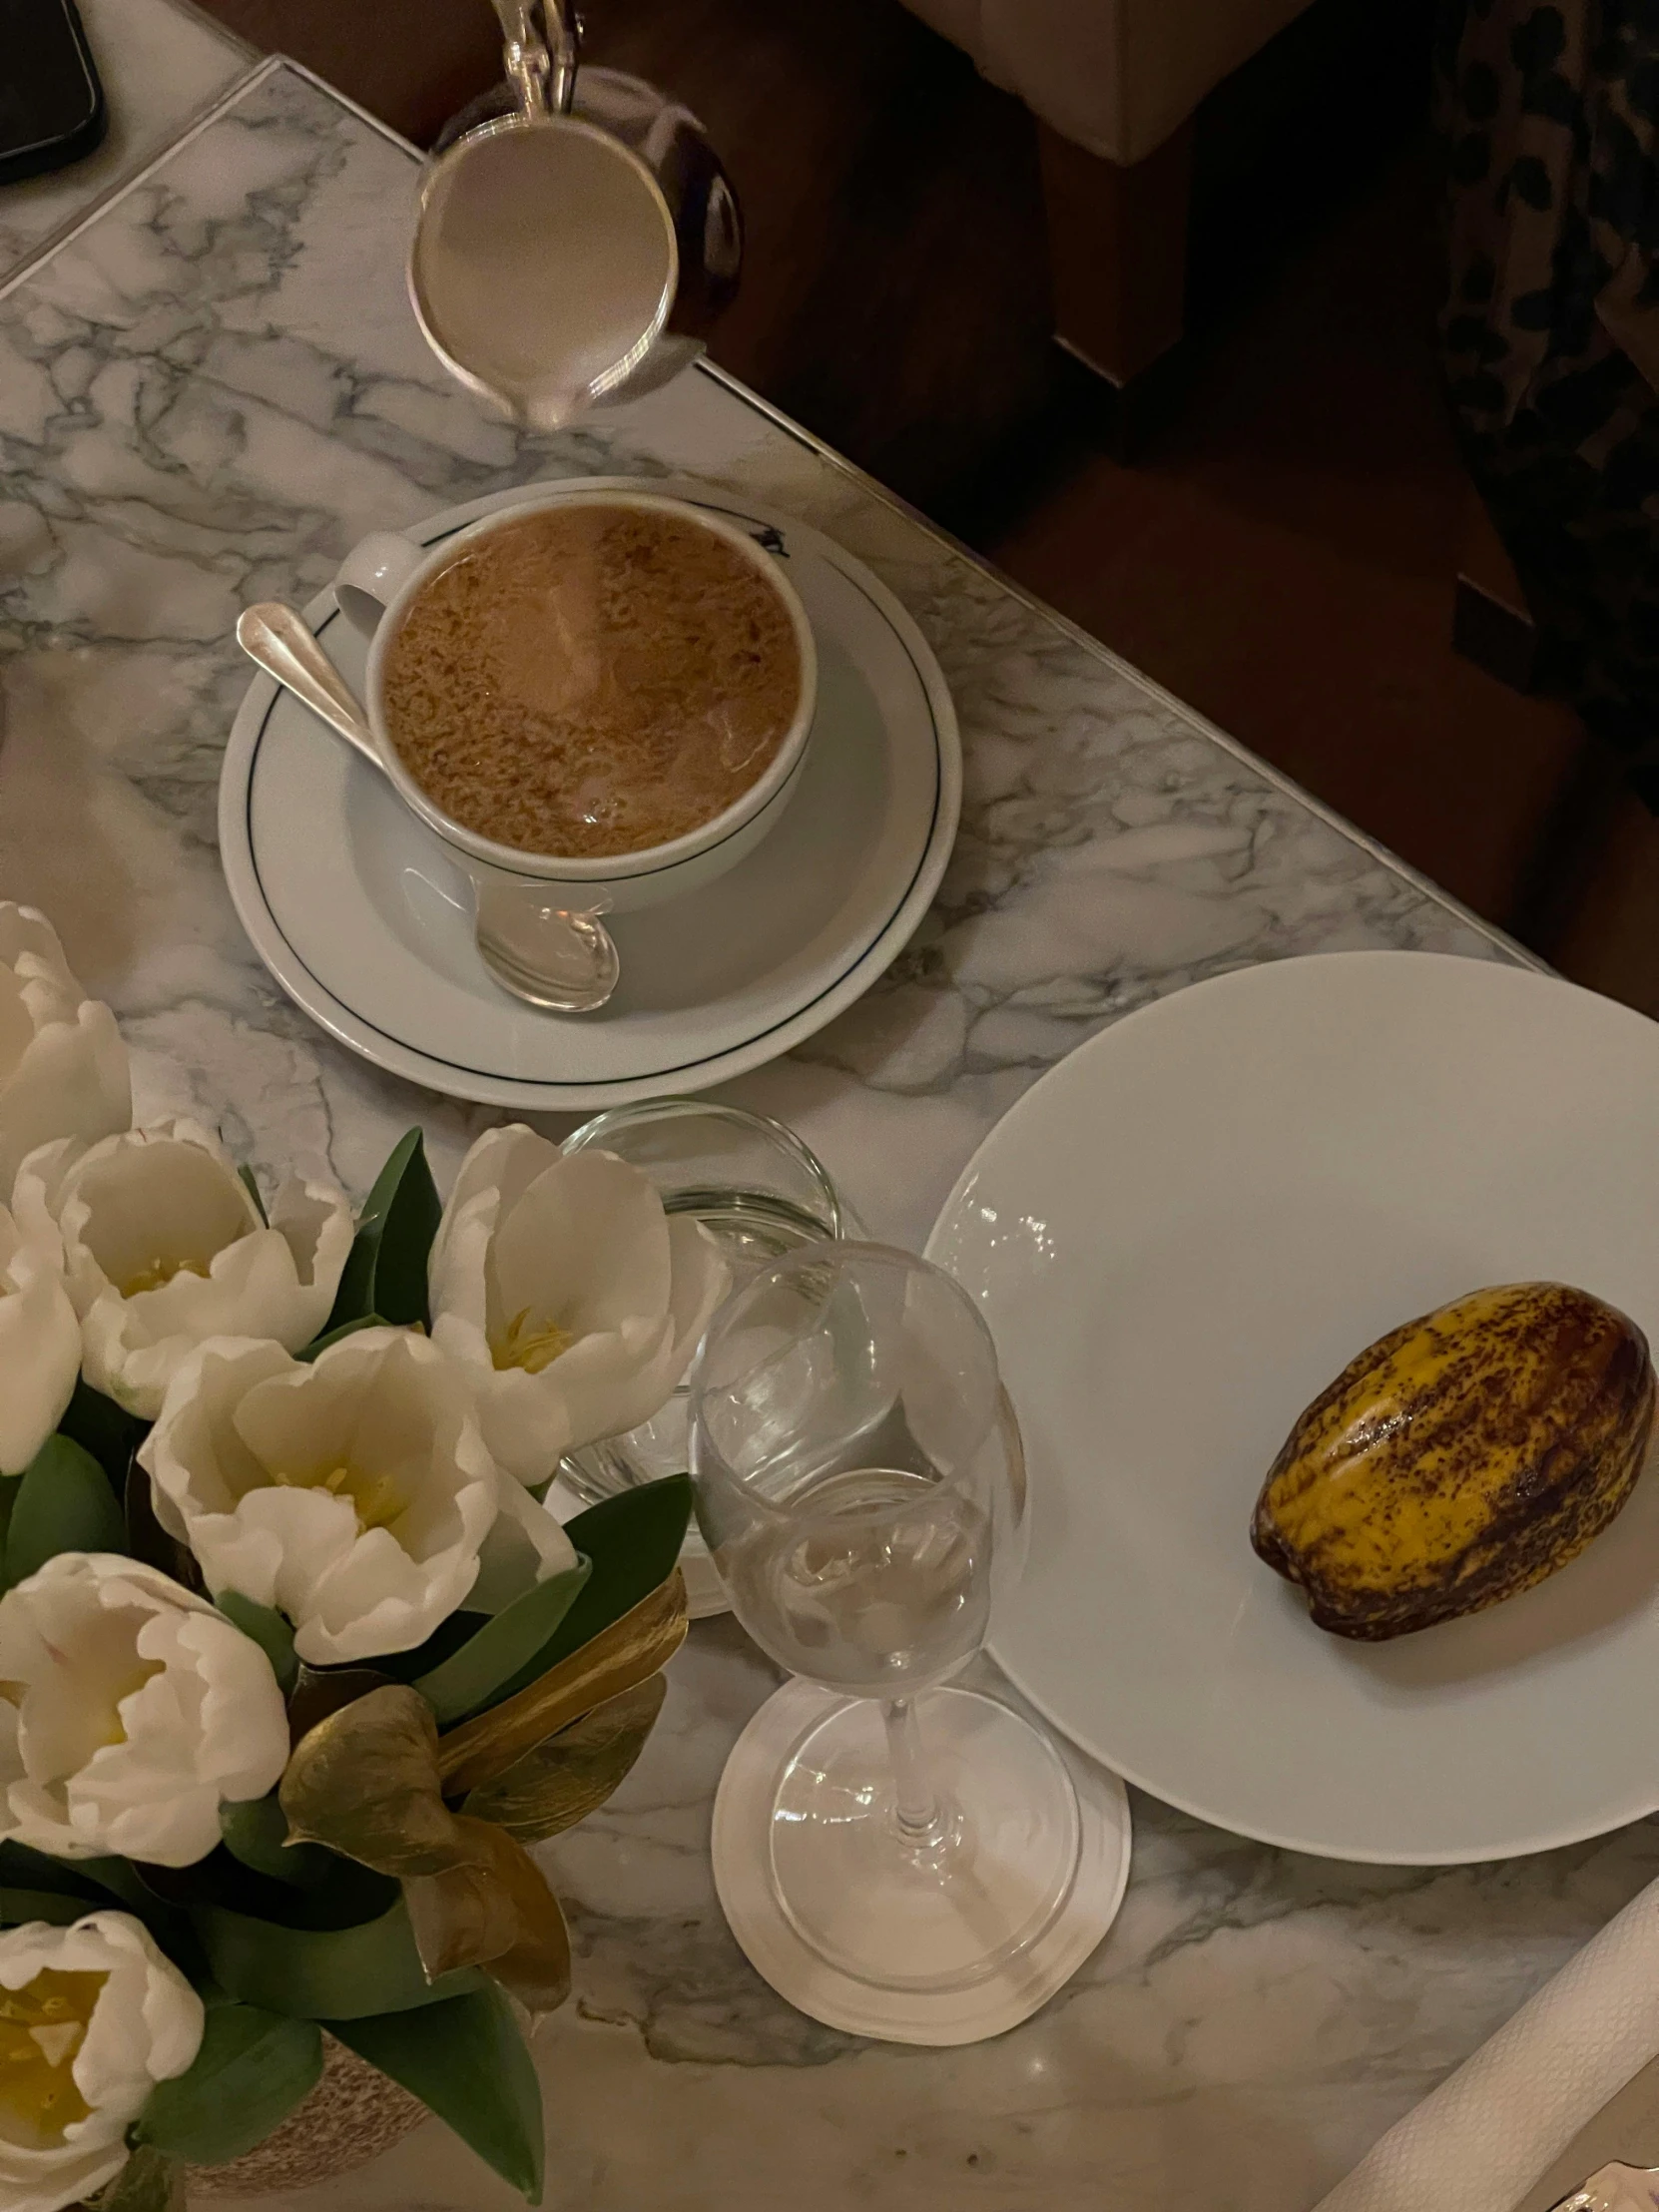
[(51, 103)]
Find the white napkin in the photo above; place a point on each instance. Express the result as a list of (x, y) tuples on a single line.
[(1491, 2130)]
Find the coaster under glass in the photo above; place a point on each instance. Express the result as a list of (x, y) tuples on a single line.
[(890, 1957)]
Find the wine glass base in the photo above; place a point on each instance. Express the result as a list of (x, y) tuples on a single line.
[(937, 1914), (875, 1948)]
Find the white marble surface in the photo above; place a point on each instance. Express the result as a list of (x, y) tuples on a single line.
[(205, 397), (159, 63)]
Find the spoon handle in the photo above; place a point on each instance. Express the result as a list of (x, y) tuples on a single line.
[(276, 638)]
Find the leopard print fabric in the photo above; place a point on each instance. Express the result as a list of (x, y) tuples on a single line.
[(1550, 334)]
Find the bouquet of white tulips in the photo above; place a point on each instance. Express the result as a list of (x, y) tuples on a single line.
[(294, 1664)]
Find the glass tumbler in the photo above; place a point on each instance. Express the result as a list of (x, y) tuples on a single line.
[(862, 1487), (753, 1186)]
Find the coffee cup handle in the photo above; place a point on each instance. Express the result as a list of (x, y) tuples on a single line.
[(371, 576)]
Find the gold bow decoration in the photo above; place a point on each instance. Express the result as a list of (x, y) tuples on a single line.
[(635, 1647), (370, 1782)]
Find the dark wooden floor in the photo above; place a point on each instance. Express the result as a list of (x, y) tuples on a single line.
[(1282, 556)]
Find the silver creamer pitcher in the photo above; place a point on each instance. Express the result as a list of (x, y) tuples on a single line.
[(575, 239)]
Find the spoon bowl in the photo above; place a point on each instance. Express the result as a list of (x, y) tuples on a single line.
[(560, 959)]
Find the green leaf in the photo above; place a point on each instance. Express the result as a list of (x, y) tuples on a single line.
[(10, 1484), (62, 1891), (256, 1832), (18, 1906), (320, 1345), (473, 1675), (99, 1426), (633, 1542), (467, 2063), (267, 1629), (121, 1877), (244, 1175), (23, 1867), (64, 1504), (385, 1269), (338, 1974), (253, 2068), (146, 2183), (445, 1640), (89, 1883), (324, 1689)]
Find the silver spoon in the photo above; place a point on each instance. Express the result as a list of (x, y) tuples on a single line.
[(558, 958)]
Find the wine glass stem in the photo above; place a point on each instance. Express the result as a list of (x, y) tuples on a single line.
[(919, 1813)]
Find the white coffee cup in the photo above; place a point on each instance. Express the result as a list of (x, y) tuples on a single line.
[(379, 578)]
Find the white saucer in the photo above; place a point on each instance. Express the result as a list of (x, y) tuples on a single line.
[(362, 916), (740, 1850)]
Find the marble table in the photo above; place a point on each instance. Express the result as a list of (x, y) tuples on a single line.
[(206, 394), (161, 64)]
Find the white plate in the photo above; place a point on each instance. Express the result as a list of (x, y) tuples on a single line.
[(1179, 1237), (361, 914)]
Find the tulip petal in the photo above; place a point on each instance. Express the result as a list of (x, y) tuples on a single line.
[(354, 1493), (614, 1383), (63, 1066), (586, 1247), (70, 1081), (316, 1223), (702, 1277), (141, 1711), (30, 945), (527, 1545), (615, 1378), (524, 1417), (500, 1167), (40, 1350), (194, 1456), (146, 2026), (163, 1248)]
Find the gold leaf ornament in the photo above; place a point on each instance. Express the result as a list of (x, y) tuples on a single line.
[(496, 1910), (619, 1658), (561, 1781), (366, 1782)]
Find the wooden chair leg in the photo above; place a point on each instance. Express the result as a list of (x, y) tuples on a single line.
[(1117, 243), (1491, 624)]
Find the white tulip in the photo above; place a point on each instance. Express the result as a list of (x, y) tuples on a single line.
[(572, 1300), (92, 2017), (63, 1066), (40, 1349), (130, 1711), (354, 1494), (161, 1247)]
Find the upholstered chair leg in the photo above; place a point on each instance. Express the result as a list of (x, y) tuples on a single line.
[(1117, 242)]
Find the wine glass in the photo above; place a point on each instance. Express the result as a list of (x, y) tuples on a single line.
[(861, 1484)]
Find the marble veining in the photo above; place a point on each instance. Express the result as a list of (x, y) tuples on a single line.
[(159, 63), (205, 396)]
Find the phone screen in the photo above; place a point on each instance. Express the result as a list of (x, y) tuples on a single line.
[(46, 90)]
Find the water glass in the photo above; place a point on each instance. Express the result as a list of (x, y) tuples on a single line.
[(861, 1486), (753, 1186)]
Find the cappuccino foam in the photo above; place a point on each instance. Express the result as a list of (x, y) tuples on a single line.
[(591, 680)]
